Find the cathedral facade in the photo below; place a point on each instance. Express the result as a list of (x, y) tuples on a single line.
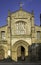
[(19, 33)]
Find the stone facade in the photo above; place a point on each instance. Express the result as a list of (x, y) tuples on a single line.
[(20, 32)]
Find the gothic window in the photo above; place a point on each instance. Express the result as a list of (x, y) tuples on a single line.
[(38, 34), (20, 27), (3, 35)]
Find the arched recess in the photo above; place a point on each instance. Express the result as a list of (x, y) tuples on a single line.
[(3, 52), (17, 49)]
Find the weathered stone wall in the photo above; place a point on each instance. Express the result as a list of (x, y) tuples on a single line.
[(11, 36)]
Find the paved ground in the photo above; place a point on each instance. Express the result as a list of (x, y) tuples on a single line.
[(10, 62), (20, 63)]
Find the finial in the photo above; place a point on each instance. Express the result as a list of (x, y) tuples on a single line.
[(33, 13), (8, 12)]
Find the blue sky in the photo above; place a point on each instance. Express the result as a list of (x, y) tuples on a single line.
[(14, 5)]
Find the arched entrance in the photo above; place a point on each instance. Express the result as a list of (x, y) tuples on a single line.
[(21, 53), (19, 49), (1, 54)]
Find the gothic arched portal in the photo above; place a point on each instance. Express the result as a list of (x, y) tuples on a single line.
[(19, 49)]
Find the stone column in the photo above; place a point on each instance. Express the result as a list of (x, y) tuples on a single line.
[(14, 55), (6, 54)]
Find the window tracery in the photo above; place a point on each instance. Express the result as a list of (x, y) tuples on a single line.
[(20, 27)]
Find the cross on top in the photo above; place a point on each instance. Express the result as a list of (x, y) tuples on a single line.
[(21, 4)]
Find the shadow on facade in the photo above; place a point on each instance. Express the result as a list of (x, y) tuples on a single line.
[(34, 54)]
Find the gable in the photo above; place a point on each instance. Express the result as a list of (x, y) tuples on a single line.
[(22, 18), (20, 14)]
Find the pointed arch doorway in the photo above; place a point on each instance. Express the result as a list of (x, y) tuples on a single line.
[(20, 50), (21, 53)]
